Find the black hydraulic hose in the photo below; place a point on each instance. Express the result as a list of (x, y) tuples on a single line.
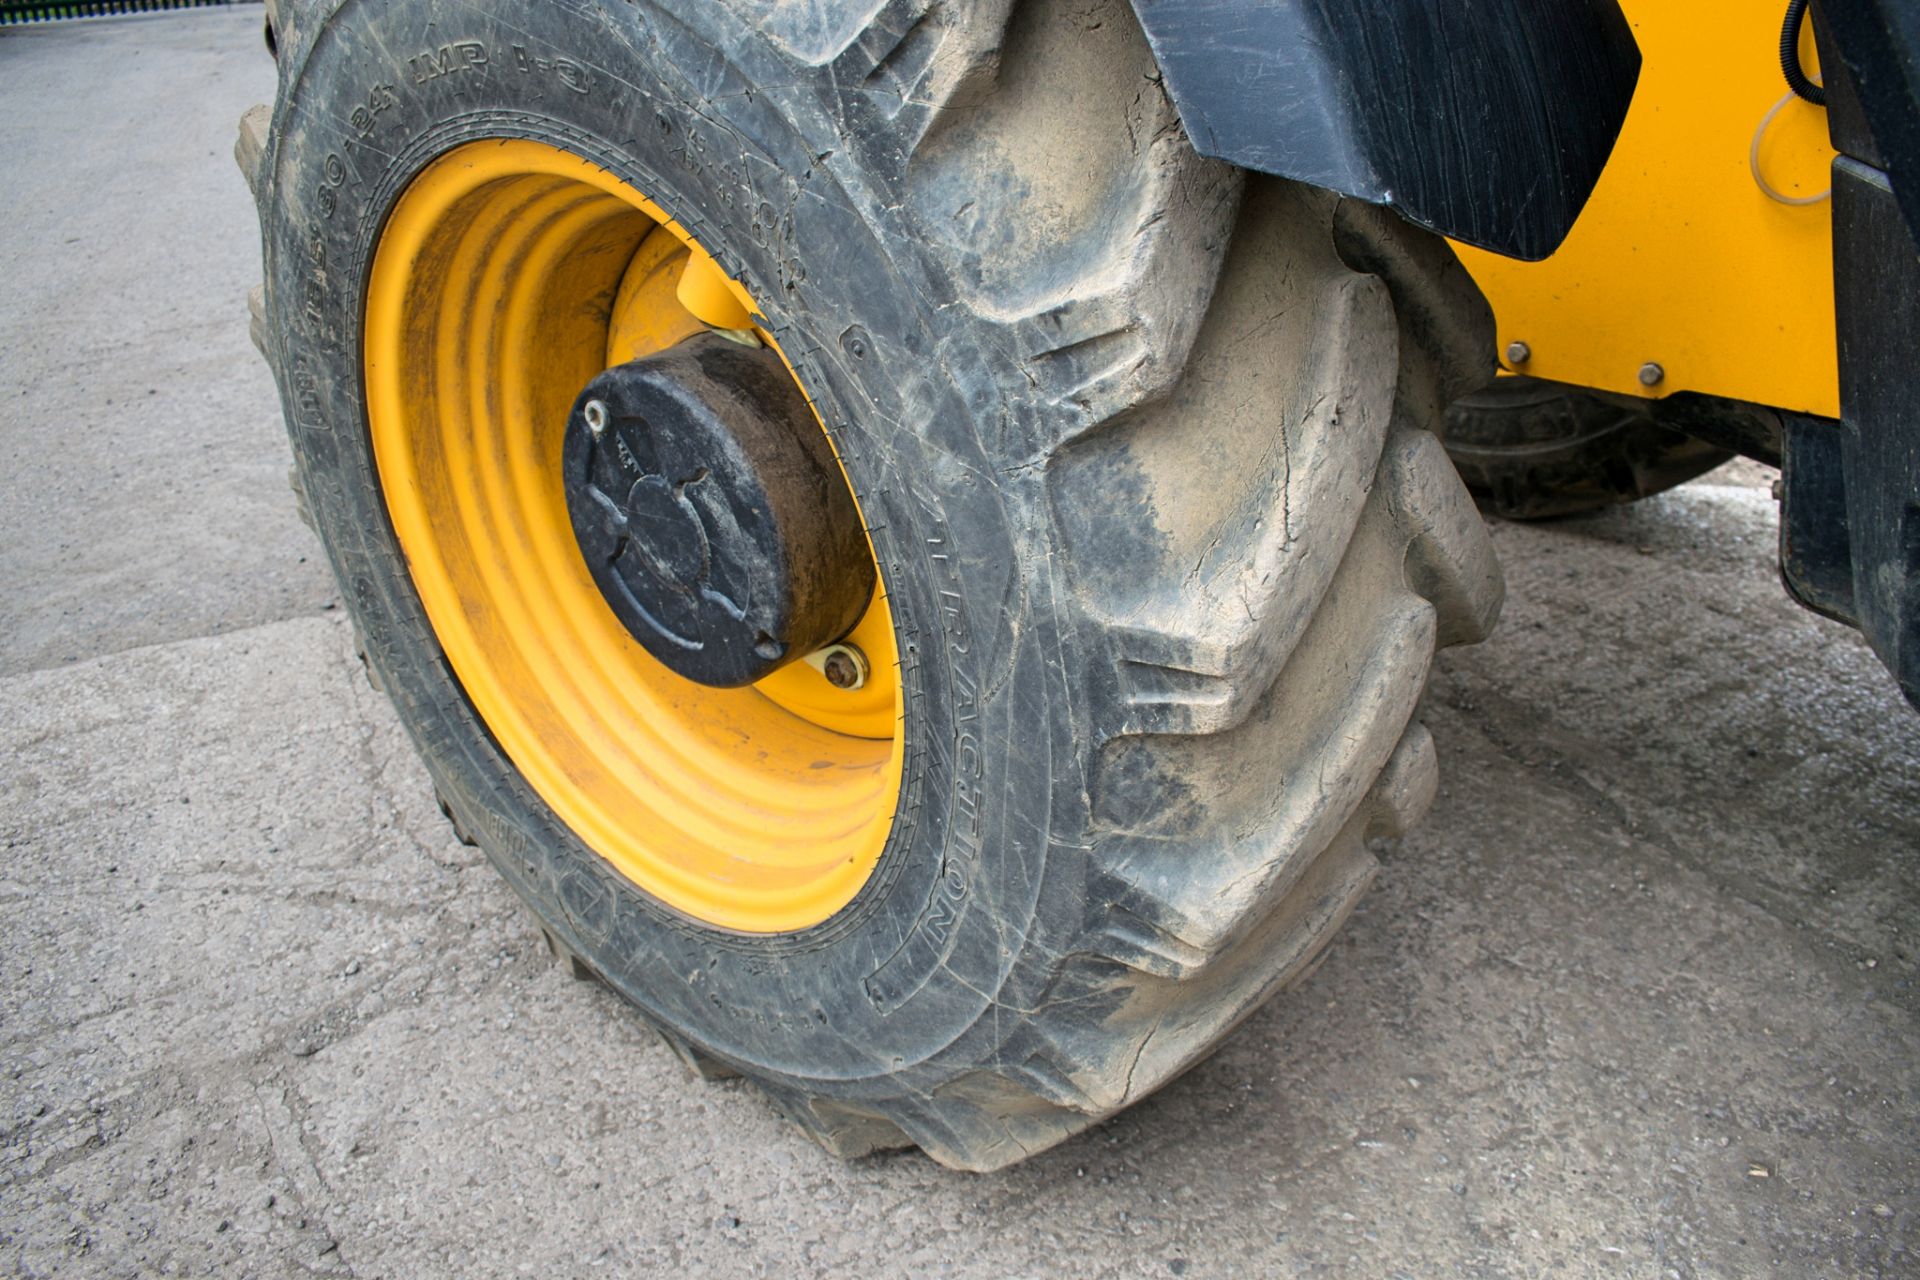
[(1790, 55)]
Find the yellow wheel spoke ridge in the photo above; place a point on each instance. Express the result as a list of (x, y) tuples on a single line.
[(509, 274)]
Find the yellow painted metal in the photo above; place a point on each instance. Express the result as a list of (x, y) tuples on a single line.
[(508, 275), (706, 292), (650, 314), (1680, 259)]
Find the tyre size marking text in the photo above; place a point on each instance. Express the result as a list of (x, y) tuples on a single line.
[(467, 56), (919, 955), (447, 60)]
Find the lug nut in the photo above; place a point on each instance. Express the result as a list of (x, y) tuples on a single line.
[(1518, 353), (596, 416), (844, 666), (1651, 374)]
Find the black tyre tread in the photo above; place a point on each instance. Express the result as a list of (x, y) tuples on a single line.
[(1263, 542), (1187, 935), (1213, 890), (250, 147), (257, 319), (1097, 323), (575, 967), (463, 834), (1446, 326)]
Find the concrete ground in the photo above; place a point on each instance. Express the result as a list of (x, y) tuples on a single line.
[(1638, 999)]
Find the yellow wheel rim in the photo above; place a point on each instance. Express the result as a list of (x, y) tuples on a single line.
[(509, 274)]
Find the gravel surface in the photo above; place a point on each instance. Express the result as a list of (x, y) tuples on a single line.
[(1638, 999)]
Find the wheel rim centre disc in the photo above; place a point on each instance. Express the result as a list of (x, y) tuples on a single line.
[(508, 276), (711, 512)]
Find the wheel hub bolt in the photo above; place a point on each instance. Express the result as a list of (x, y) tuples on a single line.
[(844, 666)]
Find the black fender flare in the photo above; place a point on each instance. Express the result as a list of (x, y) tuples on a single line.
[(1485, 120)]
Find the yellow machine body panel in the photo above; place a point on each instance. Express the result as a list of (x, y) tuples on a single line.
[(1683, 273)]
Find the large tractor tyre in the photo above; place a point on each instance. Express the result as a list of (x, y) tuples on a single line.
[(1531, 449), (1143, 567)]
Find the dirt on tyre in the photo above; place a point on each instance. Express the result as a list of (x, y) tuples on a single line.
[(1157, 544)]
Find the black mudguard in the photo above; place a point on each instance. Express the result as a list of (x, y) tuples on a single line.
[(1874, 112), (1850, 519), (1485, 120)]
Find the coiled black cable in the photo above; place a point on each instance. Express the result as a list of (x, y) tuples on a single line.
[(1790, 55)]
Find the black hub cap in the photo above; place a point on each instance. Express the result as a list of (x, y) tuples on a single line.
[(712, 513)]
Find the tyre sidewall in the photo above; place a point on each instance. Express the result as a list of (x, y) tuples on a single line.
[(887, 997)]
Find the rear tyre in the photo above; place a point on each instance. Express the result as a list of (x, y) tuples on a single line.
[(1164, 561), (1530, 449)]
